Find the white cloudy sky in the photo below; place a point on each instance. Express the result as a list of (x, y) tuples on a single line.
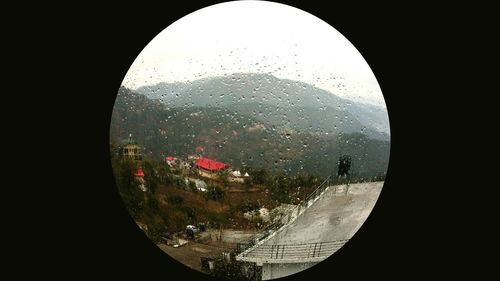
[(256, 36)]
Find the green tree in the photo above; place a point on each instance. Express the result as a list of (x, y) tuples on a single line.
[(114, 149), (223, 177), (192, 186), (280, 189), (164, 174), (344, 165), (150, 176), (128, 186), (216, 193), (260, 176), (175, 199)]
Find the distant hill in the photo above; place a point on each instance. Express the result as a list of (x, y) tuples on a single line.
[(249, 91), (235, 135), (325, 120)]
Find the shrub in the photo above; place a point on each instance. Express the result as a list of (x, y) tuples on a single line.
[(176, 200)]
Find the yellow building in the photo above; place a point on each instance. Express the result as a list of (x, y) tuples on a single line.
[(131, 150)]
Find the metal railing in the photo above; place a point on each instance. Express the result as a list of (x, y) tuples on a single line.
[(285, 218), (294, 251)]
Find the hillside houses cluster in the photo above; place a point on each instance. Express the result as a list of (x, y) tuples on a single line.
[(194, 164), (206, 167), (131, 150)]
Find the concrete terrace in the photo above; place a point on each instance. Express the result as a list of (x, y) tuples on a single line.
[(329, 222)]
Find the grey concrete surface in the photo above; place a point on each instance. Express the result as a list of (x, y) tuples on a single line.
[(273, 270), (336, 215)]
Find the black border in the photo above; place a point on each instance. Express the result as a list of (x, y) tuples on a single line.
[(104, 240)]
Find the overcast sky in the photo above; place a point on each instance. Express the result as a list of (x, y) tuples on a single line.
[(256, 36)]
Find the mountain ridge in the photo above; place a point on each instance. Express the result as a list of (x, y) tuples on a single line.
[(244, 88), (238, 139)]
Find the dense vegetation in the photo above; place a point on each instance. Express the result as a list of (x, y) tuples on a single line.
[(169, 203), (275, 101), (287, 147), (241, 140)]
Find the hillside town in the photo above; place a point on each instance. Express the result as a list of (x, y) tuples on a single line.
[(240, 203), (195, 168), (207, 213)]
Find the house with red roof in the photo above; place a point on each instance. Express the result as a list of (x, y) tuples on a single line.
[(130, 149), (139, 173), (208, 167), (170, 160)]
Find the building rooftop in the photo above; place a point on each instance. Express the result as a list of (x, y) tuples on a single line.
[(209, 164)]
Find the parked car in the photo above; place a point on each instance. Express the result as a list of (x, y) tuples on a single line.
[(191, 230), (202, 226)]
